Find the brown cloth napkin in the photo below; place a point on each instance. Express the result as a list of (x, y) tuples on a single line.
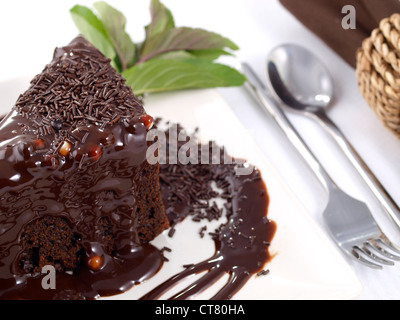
[(324, 18)]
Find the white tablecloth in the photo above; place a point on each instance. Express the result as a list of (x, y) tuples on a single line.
[(30, 30)]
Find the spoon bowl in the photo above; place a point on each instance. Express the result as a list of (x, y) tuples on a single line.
[(299, 79)]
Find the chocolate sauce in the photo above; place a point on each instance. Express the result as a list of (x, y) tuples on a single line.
[(64, 189), (71, 160), (69, 156), (241, 244), (119, 274)]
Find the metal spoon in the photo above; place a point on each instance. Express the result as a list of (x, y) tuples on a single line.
[(303, 83)]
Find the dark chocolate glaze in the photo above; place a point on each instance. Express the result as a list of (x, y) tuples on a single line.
[(65, 189), (97, 177), (241, 244)]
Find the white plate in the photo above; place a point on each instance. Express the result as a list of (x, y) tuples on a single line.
[(306, 265)]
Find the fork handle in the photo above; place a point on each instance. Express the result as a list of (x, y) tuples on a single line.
[(365, 172), (260, 92)]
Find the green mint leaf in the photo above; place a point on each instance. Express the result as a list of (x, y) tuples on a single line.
[(210, 54), (161, 19), (166, 75), (114, 24), (183, 39), (169, 58), (176, 55), (93, 30)]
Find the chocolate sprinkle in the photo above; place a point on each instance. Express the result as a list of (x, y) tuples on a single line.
[(241, 243), (78, 87), (263, 273)]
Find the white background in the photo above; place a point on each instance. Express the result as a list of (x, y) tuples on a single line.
[(30, 30)]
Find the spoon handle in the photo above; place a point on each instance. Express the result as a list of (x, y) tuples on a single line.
[(255, 86), (370, 179)]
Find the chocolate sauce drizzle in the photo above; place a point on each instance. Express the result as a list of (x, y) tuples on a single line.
[(73, 152), (76, 121), (241, 244), (129, 263)]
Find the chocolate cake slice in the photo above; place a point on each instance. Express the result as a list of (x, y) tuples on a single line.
[(75, 187)]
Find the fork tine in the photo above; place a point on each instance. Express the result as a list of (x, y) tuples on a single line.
[(389, 243), (361, 259), (382, 251), (374, 256)]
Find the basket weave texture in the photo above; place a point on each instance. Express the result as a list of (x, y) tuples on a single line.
[(378, 72)]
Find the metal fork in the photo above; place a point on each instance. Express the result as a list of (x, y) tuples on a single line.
[(348, 220)]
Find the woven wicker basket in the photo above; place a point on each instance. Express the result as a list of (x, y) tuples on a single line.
[(378, 72)]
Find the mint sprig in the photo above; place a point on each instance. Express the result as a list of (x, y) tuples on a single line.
[(161, 19), (169, 58)]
